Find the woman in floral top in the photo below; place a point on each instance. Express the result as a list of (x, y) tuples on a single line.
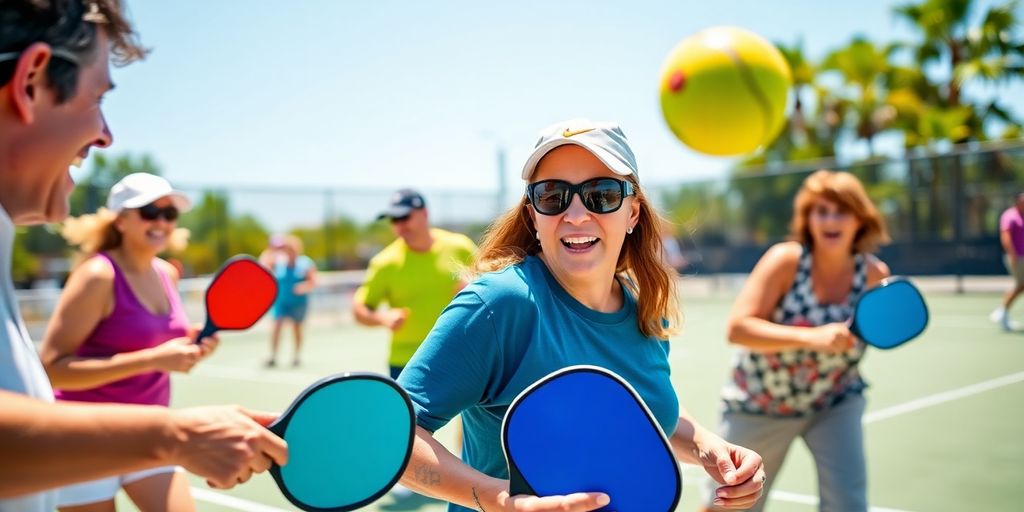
[(796, 374)]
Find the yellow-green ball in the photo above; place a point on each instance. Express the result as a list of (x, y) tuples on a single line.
[(724, 91)]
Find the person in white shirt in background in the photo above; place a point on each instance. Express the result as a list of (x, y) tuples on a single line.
[(54, 71)]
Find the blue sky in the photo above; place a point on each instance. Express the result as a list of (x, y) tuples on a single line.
[(385, 94)]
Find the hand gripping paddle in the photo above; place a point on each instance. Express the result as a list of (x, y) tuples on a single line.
[(349, 440), (239, 295), (585, 429)]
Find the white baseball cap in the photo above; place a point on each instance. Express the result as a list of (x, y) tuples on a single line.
[(139, 189), (605, 140)]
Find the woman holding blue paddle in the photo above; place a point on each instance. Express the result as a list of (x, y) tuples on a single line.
[(796, 374), (572, 275)]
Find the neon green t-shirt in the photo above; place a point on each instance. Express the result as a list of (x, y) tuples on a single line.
[(422, 282)]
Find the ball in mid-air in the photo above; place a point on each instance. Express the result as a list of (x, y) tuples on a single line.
[(724, 91)]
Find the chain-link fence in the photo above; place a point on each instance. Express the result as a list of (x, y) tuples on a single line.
[(942, 212)]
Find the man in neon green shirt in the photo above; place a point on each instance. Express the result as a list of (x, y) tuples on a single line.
[(416, 275)]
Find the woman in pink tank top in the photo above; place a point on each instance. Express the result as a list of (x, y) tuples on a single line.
[(119, 328)]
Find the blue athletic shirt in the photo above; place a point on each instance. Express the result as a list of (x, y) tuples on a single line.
[(508, 329), (289, 276)]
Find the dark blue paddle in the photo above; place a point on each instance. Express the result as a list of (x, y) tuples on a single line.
[(890, 314), (349, 440), (585, 429)]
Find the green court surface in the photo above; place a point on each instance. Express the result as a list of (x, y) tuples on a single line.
[(943, 426)]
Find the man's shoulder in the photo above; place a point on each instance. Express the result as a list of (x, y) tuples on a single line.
[(452, 239), (390, 254)]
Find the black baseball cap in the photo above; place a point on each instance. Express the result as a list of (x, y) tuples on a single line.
[(402, 203)]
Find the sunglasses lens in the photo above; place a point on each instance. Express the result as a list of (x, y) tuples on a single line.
[(602, 196), (154, 212), (399, 220), (149, 212), (551, 197)]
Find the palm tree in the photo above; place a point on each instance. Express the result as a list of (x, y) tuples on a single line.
[(864, 68), (990, 52), (803, 78)]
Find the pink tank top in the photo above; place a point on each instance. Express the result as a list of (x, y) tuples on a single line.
[(132, 327)]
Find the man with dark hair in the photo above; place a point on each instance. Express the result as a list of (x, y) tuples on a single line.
[(54, 70), (416, 276)]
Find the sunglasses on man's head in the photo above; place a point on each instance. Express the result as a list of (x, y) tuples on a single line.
[(599, 195), (154, 212)]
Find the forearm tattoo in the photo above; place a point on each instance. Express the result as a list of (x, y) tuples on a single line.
[(477, 500), (426, 476)]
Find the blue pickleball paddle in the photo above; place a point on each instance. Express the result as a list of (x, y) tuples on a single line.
[(585, 429), (890, 314), (349, 440)]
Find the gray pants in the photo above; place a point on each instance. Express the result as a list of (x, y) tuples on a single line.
[(834, 437)]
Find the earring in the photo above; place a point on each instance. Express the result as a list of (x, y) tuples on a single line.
[(536, 234), (629, 230)]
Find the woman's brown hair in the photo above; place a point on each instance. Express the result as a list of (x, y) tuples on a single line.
[(511, 238), (847, 191)]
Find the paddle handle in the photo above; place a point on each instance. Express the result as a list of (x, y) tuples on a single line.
[(517, 484), (852, 325), (207, 331)]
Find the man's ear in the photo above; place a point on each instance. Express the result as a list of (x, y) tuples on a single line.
[(28, 80)]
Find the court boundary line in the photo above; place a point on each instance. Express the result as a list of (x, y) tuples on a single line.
[(236, 503), (226, 500), (776, 495), (805, 499), (941, 398)]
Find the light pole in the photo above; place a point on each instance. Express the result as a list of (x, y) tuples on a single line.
[(499, 149)]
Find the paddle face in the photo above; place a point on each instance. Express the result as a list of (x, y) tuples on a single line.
[(584, 429), (240, 294), (890, 314), (349, 439)]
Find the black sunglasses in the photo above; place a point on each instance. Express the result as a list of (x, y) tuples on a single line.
[(154, 212), (399, 220), (599, 195)]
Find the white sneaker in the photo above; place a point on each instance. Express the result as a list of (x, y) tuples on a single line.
[(997, 316), (1009, 325)]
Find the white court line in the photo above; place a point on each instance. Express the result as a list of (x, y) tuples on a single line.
[(232, 502), (227, 372), (804, 499), (943, 397), (790, 497)]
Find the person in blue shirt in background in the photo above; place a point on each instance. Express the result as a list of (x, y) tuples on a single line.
[(296, 277), (573, 274)]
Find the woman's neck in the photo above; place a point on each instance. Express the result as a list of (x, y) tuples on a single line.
[(601, 293), (834, 261), (133, 261)]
